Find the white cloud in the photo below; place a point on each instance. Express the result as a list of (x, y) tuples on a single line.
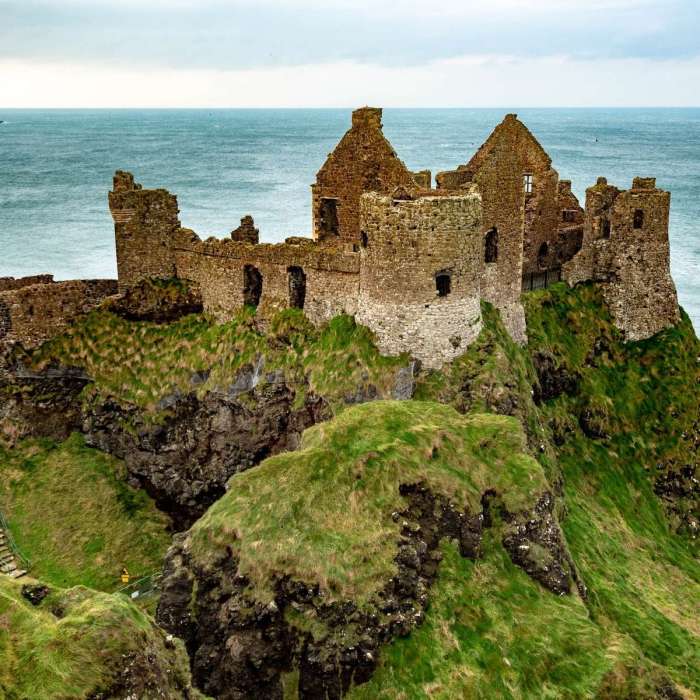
[(469, 81), (381, 8)]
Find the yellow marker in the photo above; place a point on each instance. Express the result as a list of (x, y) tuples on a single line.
[(125, 576)]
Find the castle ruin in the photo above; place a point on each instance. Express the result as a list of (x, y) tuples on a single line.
[(412, 262)]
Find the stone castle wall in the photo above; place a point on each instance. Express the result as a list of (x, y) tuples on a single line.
[(626, 250), (10, 283), (384, 244), (145, 222), (330, 277), (420, 274), (34, 313), (526, 217)]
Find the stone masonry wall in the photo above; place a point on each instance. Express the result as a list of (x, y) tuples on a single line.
[(409, 244), (497, 170), (32, 314), (626, 249), (145, 225), (532, 235), (331, 276), (10, 283), (363, 161)]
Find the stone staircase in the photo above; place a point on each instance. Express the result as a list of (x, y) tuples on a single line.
[(8, 565)]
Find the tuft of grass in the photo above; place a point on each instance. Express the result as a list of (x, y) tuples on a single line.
[(79, 643), (73, 516), (323, 513)]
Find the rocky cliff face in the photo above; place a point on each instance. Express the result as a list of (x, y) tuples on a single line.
[(242, 647), (185, 459)]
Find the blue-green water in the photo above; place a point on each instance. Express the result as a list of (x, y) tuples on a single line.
[(56, 168)]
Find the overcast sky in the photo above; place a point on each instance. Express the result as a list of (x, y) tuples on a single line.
[(339, 53)]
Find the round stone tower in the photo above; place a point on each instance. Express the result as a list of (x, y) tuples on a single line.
[(420, 269)]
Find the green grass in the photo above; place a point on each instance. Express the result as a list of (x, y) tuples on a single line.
[(141, 362), (323, 513), (77, 643), (643, 577), (73, 516), (492, 632)]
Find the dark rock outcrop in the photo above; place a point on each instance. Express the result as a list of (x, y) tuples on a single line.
[(35, 593), (185, 459), (553, 379), (40, 404), (534, 542)]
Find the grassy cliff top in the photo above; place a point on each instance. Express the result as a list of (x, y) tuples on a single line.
[(141, 362), (323, 513), (78, 643)]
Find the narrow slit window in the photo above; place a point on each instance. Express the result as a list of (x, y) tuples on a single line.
[(528, 181), (491, 246), (443, 284), (297, 287), (638, 218), (542, 254), (605, 228), (328, 215)]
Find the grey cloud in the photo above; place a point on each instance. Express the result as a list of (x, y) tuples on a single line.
[(217, 35)]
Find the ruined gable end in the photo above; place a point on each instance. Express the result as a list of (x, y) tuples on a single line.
[(626, 250), (363, 161)]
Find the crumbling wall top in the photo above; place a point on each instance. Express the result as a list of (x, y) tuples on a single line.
[(367, 116), (644, 183)]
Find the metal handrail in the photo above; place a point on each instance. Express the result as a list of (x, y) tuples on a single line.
[(26, 564), (142, 586)]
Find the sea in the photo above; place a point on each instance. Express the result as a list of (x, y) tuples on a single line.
[(56, 167)]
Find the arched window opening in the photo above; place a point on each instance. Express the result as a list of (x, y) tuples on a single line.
[(638, 218), (328, 217), (542, 254), (252, 285), (491, 246), (443, 284), (605, 228), (297, 287), (363, 238)]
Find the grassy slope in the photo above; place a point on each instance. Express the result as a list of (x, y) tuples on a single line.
[(141, 362), (490, 631), (323, 513), (73, 516), (81, 651)]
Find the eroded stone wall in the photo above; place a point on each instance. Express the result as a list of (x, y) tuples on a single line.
[(363, 161), (626, 250), (420, 273), (330, 276), (145, 227), (10, 283), (524, 205), (34, 313)]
